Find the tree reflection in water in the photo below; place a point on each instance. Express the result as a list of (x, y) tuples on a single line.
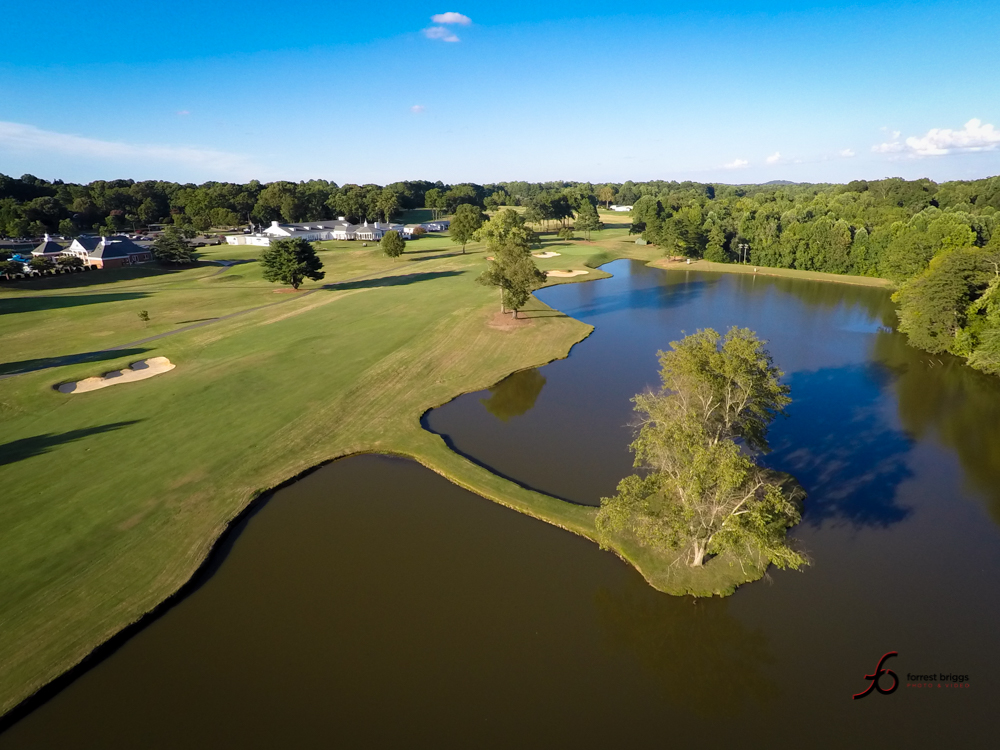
[(940, 397), (514, 395), (840, 446), (702, 658)]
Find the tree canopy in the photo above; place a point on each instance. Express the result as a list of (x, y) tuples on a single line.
[(466, 222), (171, 247), (511, 269), (699, 493), (587, 219), (392, 244), (291, 261)]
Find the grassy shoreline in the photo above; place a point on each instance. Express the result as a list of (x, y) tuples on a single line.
[(88, 559)]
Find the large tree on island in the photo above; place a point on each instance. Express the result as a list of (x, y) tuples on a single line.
[(171, 247), (700, 494), (291, 261), (467, 220), (511, 270)]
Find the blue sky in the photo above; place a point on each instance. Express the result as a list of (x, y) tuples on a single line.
[(358, 92)]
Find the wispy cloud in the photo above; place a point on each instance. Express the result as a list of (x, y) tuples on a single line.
[(21, 138), (417, 108), (892, 147), (183, 113), (441, 33), (452, 17), (774, 158), (847, 153), (444, 19), (737, 164), (975, 136)]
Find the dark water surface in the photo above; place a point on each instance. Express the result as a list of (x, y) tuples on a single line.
[(374, 604)]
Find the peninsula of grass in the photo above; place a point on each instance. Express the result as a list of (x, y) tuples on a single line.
[(113, 499)]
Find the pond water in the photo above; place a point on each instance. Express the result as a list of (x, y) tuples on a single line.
[(373, 603)]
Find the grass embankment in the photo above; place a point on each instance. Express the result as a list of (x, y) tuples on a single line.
[(112, 499)]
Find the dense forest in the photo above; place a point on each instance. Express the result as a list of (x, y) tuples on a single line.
[(939, 243)]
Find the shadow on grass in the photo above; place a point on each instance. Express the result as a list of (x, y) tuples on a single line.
[(8, 369), (399, 280), (98, 277), (18, 450), (529, 314), (452, 254), (34, 304)]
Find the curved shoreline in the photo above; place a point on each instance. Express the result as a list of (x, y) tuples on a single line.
[(662, 574)]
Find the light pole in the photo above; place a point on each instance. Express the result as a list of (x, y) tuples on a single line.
[(743, 251)]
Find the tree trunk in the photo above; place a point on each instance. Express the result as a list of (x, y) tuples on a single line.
[(698, 557), (503, 308), (515, 313)]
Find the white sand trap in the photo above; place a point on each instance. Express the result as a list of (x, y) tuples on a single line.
[(144, 368), (567, 273), (546, 254)]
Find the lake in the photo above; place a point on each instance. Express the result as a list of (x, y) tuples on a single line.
[(373, 603)]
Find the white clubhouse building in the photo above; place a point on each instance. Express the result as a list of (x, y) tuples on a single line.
[(334, 229)]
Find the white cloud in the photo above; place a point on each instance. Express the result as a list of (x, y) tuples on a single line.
[(888, 148), (21, 138), (737, 164), (451, 17), (975, 136), (847, 153), (774, 158), (440, 32), (417, 108), (183, 113)]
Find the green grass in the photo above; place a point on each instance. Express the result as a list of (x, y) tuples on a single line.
[(112, 499)]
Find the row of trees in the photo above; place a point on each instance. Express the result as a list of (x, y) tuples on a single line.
[(940, 244), (30, 207)]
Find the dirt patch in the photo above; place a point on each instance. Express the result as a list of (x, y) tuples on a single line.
[(144, 368), (506, 322)]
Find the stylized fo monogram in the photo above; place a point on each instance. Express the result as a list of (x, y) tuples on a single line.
[(874, 677)]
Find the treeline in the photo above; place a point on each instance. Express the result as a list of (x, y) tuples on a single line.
[(30, 207), (939, 242)]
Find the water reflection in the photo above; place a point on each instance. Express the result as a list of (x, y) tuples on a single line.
[(844, 452), (646, 291), (939, 397), (514, 395), (701, 658)]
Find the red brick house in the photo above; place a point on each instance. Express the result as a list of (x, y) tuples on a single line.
[(109, 252)]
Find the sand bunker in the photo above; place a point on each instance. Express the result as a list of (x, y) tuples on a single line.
[(546, 254), (144, 368), (567, 273)]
